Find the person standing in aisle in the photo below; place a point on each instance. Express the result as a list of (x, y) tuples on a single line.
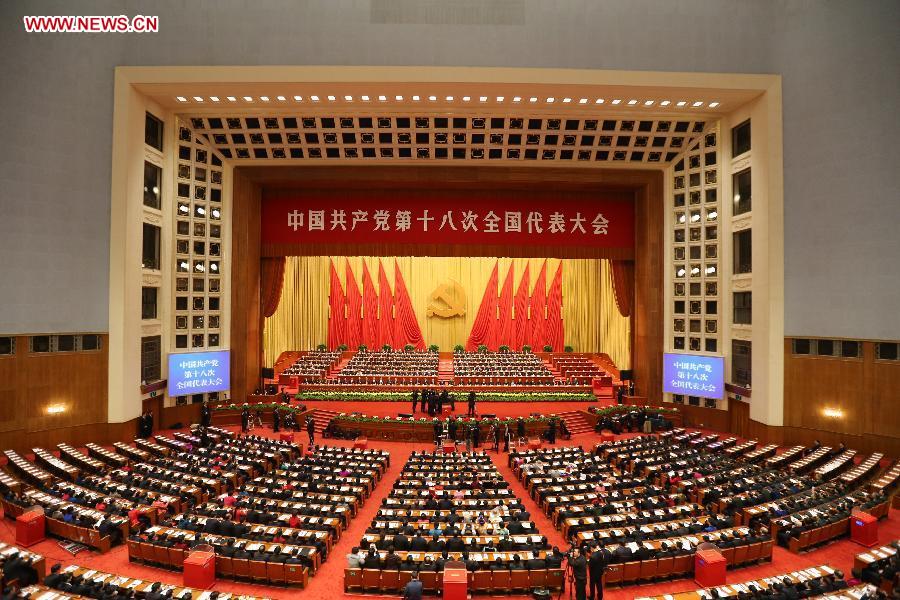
[(311, 430)]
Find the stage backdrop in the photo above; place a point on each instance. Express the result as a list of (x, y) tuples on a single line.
[(445, 294)]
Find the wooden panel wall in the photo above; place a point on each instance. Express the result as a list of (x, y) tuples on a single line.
[(246, 317), (30, 383)]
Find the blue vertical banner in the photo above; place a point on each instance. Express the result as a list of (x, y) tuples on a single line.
[(694, 375)]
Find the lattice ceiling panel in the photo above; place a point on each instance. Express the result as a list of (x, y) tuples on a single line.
[(540, 139)]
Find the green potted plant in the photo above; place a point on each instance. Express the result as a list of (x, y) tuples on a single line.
[(548, 348), (504, 349), (342, 347), (526, 348), (459, 348), (362, 347), (482, 349), (386, 348), (569, 349), (321, 347), (433, 348), (409, 348)]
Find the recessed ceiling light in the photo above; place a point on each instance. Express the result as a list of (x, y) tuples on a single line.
[(231, 98), (281, 98), (566, 100), (482, 98), (449, 98), (415, 98), (532, 99), (248, 99), (348, 98), (648, 102), (551, 100), (181, 98), (198, 99), (582, 101), (502, 98), (466, 98), (298, 98), (432, 98), (599, 101), (632, 102), (665, 103), (314, 98), (364, 98), (216, 99), (397, 98), (616, 101), (332, 98), (517, 98), (696, 104), (681, 103), (713, 104), (264, 98)]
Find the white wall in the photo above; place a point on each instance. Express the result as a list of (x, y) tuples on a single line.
[(838, 60)]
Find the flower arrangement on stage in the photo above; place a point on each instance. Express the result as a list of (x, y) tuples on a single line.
[(358, 418), (621, 409), (482, 397), (262, 406)]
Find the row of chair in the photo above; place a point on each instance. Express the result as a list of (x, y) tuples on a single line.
[(226, 567), (664, 568), (84, 535), (371, 580), (819, 535)]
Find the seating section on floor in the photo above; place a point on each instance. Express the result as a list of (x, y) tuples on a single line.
[(19, 567), (806, 583), (500, 368), (880, 567), (452, 507), (275, 528), (313, 367)]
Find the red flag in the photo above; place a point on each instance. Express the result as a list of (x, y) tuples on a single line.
[(554, 326), (406, 325), (370, 310), (537, 306), (354, 309), (486, 320), (337, 323), (504, 314), (385, 309), (520, 326)]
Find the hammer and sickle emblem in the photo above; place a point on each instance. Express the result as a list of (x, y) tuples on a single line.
[(447, 300)]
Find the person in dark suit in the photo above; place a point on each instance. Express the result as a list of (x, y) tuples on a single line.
[(600, 557), (311, 430), (418, 543), (401, 542), (276, 420), (392, 560), (55, 578), (415, 400), (579, 573), (413, 589), (471, 411)]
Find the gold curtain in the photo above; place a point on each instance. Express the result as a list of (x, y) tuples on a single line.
[(590, 317)]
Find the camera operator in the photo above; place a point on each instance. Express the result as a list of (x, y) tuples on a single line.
[(578, 564), (597, 563)]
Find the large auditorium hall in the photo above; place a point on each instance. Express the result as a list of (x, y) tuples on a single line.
[(464, 298)]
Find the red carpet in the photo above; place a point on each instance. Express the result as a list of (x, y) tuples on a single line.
[(328, 582)]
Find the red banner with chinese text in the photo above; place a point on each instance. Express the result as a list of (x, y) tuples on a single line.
[(508, 219)]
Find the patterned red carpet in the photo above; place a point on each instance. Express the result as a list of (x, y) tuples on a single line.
[(328, 582)]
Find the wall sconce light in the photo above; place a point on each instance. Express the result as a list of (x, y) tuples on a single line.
[(833, 413), (55, 409)]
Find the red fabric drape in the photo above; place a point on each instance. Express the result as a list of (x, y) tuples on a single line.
[(504, 312), (537, 310), (354, 309), (385, 309), (520, 324), (623, 285), (337, 322), (271, 274), (370, 311), (406, 325), (553, 329), (485, 323)]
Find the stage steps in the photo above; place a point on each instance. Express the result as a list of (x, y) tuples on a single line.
[(445, 370), (333, 372), (575, 422), (552, 368), (323, 417)]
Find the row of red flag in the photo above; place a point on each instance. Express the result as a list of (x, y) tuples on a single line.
[(371, 318), (522, 320)]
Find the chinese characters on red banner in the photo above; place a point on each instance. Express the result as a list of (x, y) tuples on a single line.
[(407, 218)]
